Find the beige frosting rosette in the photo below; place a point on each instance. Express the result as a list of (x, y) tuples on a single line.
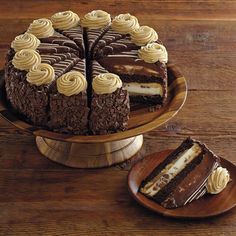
[(218, 180), (125, 23), (41, 74), (143, 35), (96, 19), (25, 59), (106, 83), (71, 83), (41, 28), (25, 41), (65, 20), (153, 52)]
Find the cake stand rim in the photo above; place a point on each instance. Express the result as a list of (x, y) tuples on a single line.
[(158, 121)]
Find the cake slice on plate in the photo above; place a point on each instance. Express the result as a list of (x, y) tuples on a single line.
[(186, 174)]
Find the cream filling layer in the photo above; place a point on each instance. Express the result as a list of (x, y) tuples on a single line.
[(143, 89), (171, 170)]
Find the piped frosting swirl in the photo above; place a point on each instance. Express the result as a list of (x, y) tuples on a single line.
[(25, 41), (25, 59), (125, 23), (106, 83), (41, 74), (41, 28), (71, 83), (218, 180), (65, 20), (143, 35), (153, 52), (96, 19)]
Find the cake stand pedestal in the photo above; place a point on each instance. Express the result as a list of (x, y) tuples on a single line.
[(89, 155), (94, 151)]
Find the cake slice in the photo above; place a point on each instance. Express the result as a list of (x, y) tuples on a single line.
[(183, 176), (68, 102), (145, 82), (110, 105)]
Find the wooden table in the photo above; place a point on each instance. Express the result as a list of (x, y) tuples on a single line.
[(39, 197)]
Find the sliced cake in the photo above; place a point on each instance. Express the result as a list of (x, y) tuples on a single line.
[(185, 175), (65, 43)]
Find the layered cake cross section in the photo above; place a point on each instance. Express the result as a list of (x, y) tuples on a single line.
[(145, 82), (183, 176)]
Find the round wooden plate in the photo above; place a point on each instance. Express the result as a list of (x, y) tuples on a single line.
[(141, 119), (207, 206)]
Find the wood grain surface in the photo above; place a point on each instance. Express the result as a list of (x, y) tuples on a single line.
[(39, 197)]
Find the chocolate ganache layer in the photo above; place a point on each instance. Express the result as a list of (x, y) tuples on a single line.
[(47, 67)]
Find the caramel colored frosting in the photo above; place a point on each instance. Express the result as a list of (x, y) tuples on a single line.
[(218, 180), (25, 41), (25, 59), (41, 74), (96, 19), (71, 83), (41, 28), (144, 35), (106, 83), (125, 23), (65, 20), (153, 52)]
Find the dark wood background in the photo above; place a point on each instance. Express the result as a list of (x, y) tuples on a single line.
[(39, 197)]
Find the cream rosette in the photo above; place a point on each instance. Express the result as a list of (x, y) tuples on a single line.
[(144, 35), (25, 59), (65, 20), (41, 28), (106, 83), (71, 83), (125, 23), (96, 19), (25, 41), (41, 74), (218, 180), (153, 52)]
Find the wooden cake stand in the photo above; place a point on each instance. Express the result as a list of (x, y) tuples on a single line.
[(95, 151)]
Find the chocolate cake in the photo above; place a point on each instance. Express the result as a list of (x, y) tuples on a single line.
[(51, 49), (186, 174)]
